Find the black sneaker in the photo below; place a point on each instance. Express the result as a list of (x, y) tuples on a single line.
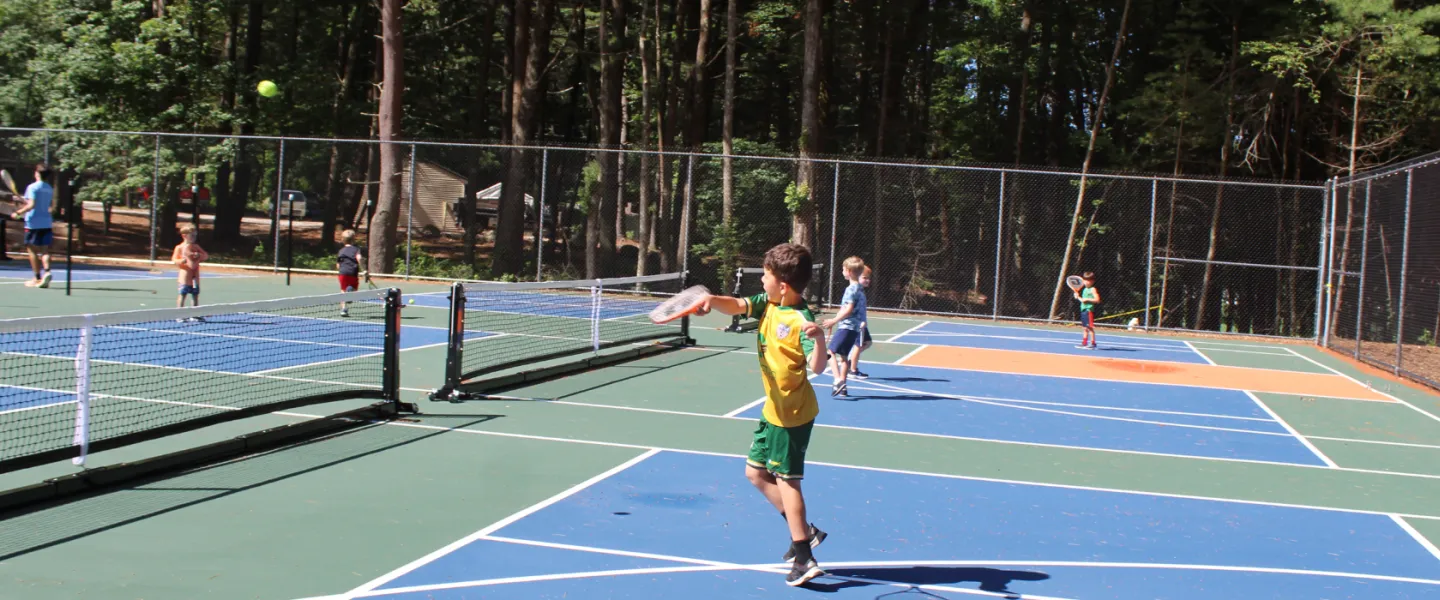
[(859, 375), (816, 537), (803, 572), (838, 390)]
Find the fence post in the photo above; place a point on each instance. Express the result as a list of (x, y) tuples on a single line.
[(279, 197), (685, 214), (834, 218), (1404, 265), (1150, 252), (1364, 254), (999, 237), (1329, 270), (154, 200), (410, 212), (1320, 263), (540, 216)]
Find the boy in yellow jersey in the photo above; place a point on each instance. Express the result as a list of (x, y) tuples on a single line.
[(788, 340)]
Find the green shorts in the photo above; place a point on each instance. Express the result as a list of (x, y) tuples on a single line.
[(780, 450)]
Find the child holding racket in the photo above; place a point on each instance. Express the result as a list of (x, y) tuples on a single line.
[(347, 263), (1088, 297), (788, 341)]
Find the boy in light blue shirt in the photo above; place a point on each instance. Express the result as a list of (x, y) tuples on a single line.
[(38, 236), (849, 323)]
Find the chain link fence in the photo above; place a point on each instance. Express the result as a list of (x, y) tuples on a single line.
[(1230, 256), (1383, 251)]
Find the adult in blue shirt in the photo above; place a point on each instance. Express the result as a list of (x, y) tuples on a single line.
[(38, 236)]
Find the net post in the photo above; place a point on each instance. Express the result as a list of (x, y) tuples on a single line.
[(735, 320), (685, 338), (1364, 256), (390, 380), (1150, 252), (454, 347), (1404, 266)]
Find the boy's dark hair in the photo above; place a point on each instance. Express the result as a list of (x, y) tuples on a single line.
[(43, 171), (1088, 275), (791, 264)]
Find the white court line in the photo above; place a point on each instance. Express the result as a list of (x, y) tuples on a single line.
[(1197, 351), (1425, 543), (1367, 386), (1052, 340), (1301, 438), (1088, 406), (891, 388), (695, 565), (1359, 441), (906, 332), (908, 355), (457, 544), (702, 565), (1066, 486), (759, 401)]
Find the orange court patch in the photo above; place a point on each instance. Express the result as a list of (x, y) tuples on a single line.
[(1142, 371)]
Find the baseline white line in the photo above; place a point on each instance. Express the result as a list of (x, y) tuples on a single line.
[(1298, 436), (453, 546), (1367, 386), (1422, 540), (1092, 407), (1066, 486), (1234, 351), (1051, 340), (1379, 442), (1198, 352)]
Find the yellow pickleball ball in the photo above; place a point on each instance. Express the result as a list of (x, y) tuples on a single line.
[(267, 88)]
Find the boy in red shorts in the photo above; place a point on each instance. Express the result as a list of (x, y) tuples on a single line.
[(348, 264)]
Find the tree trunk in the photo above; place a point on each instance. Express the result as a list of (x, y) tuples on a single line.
[(1089, 154), (532, 40), (1355, 122), (227, 218), (803, 221), (349, 56), (600, 220), (647, 160), (1226, 144), (387, 210), (727, 176)]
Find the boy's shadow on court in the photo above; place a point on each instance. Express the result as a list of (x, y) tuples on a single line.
[(990, 580)]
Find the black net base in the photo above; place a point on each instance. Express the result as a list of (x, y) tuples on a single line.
[(502, 335)]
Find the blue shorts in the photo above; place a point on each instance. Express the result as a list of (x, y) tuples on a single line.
[(39, 237), (191, 290), (843, 341), (1087, 319)]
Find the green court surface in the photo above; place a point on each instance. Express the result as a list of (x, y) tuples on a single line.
[(329, 515)]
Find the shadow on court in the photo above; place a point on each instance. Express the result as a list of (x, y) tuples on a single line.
[(56, 523), (990, 580)]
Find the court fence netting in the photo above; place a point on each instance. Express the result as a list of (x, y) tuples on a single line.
[(71, 386), (502, 335), (1382, 254)]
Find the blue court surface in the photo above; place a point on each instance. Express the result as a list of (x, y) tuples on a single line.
[(1001, 337), (683, 525), (1080, 413), (17, 271)]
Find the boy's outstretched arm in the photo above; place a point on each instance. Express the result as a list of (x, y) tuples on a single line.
[(728, 305), (839, 316)]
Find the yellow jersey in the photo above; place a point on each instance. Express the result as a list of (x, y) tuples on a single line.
[(784, 349)]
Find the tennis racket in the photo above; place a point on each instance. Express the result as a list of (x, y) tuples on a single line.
[(1075, 282), (680, 305), (8, 205)]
